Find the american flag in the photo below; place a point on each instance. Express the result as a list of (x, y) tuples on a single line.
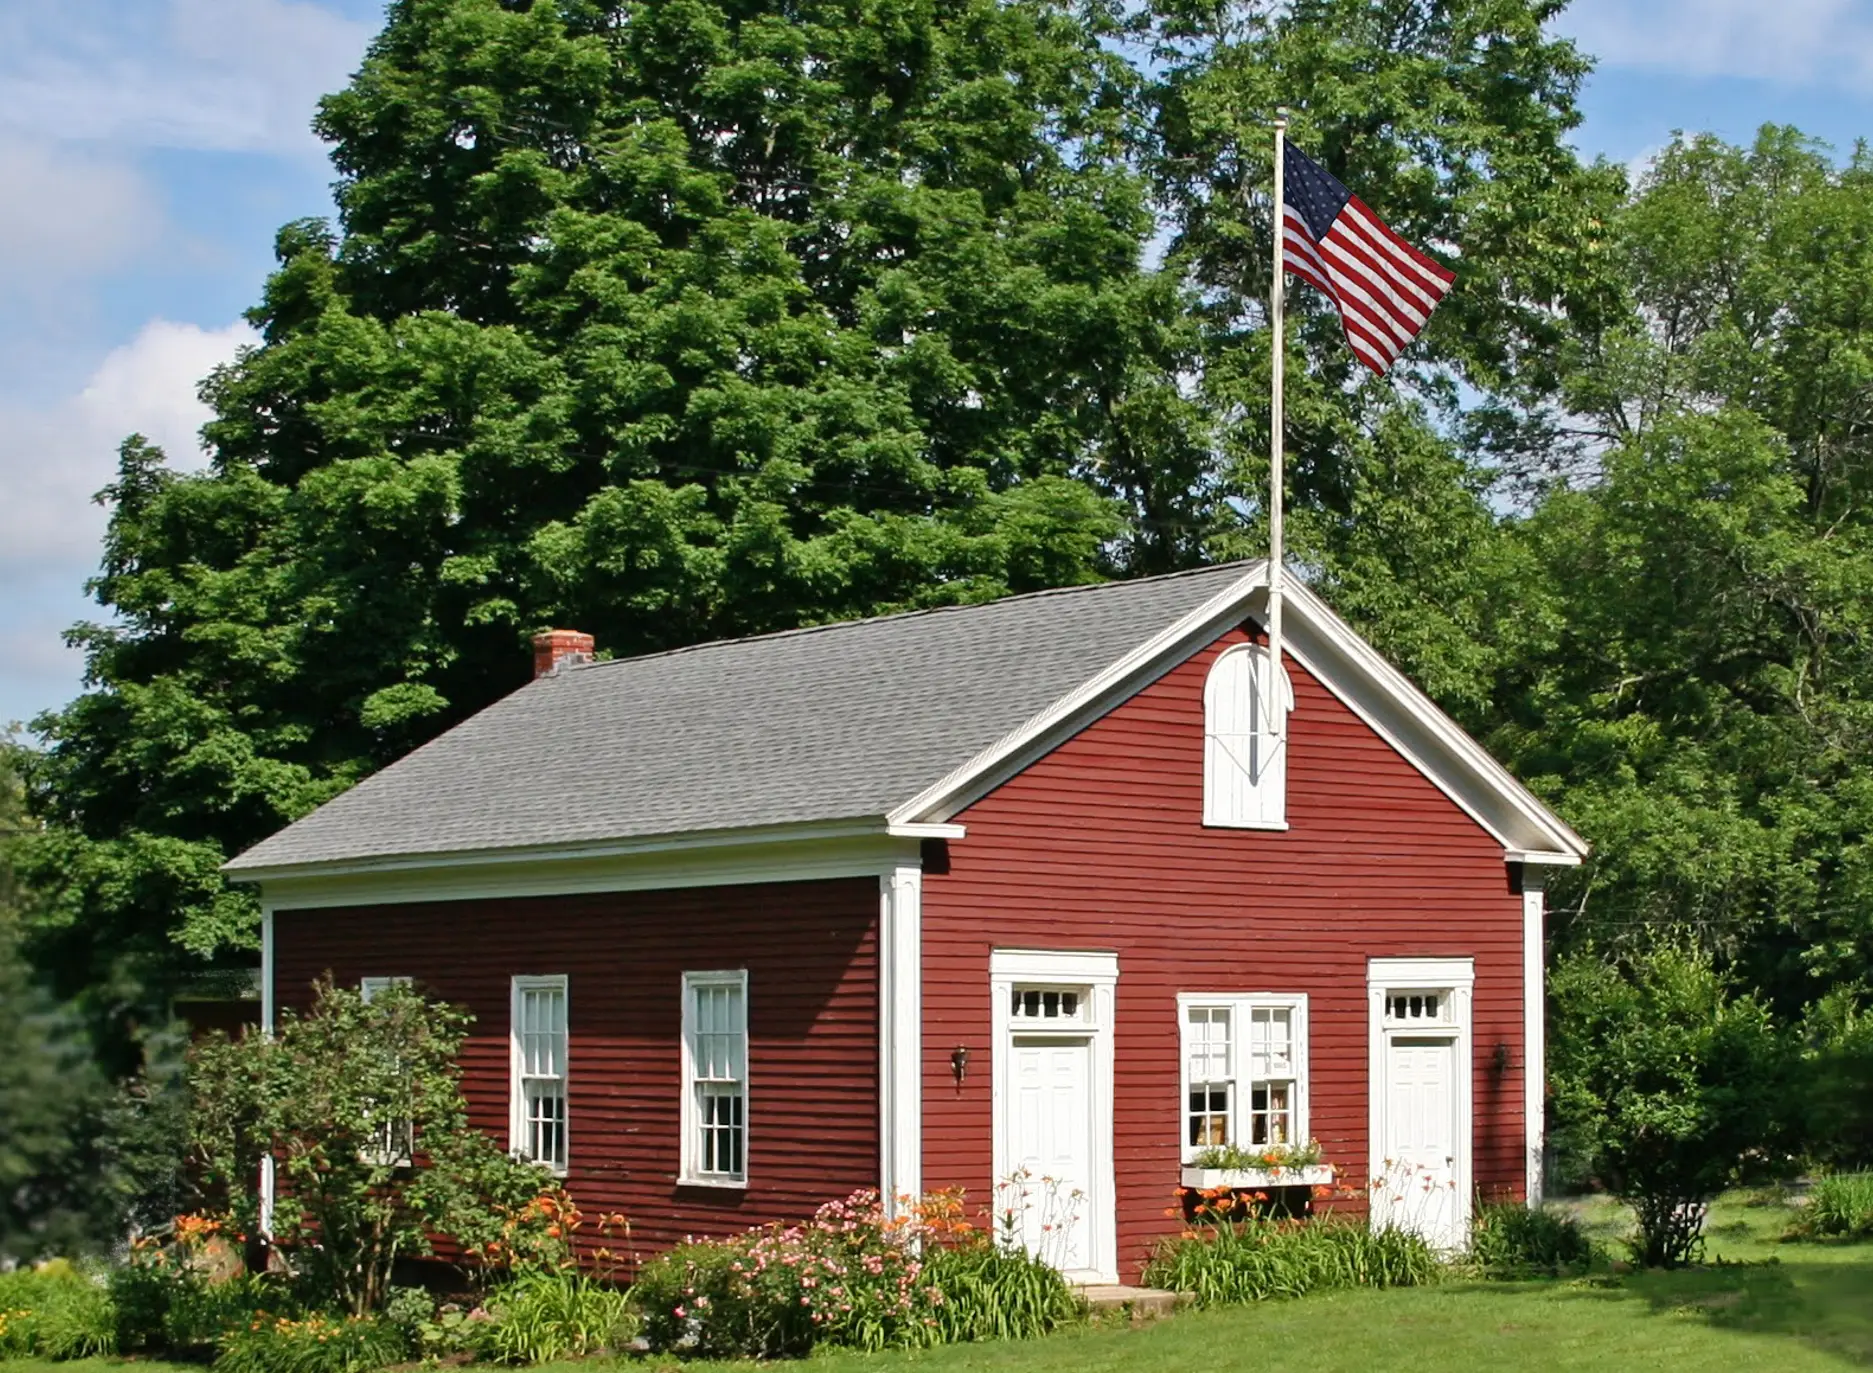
[(1385, 288)]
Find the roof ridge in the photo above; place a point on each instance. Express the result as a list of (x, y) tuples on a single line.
[(829, 625)]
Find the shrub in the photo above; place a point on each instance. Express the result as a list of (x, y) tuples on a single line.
[(1231, 1258), (1667, 1088), (55, 1312), (850, 1277), (1839, 1207), (436, 1332), (344, 1098), (316, 1344), (180, 1298), (1515, 1241), (546, 1316)]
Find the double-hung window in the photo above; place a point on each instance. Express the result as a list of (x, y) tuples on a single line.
[(537, 1092), (395, 1138), (1244, 1071), (715, 1077)]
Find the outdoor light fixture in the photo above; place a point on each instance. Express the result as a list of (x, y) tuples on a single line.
[(959, 1062), (1502, 1057)]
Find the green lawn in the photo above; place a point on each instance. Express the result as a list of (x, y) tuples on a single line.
[(1758, 1305)]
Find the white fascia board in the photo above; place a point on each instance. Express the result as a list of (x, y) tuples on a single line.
[(1447, 755), (1378, 693), (1144, 664), (683, 842), (524, 875)]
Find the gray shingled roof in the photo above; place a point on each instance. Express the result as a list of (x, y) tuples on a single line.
[(837, 722)]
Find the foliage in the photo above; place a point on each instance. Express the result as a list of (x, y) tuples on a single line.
[(1839, 1206), (543, 1316), (995, 1292), (1230, 1254), (849, 1276), (360, 1106), (56, 1311), (1837, 1082), (1238, 1157), (311, 1344), (182, 1293), (1669, 1087), (1513, 1241)]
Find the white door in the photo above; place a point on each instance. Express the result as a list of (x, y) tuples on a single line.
[(1047, 1193), (1418, 1190)]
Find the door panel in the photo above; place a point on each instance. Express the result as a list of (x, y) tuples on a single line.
[(1418, 1188), (1050, 1150)]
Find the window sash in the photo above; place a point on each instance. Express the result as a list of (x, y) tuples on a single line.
[(541, 1049), (715, 1071), (1244, 1070)]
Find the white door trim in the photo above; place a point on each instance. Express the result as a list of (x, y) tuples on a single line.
[(1457, 976), (1097, 970)]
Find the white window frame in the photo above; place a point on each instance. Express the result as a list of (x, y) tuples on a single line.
[(692, 1174), (1230, 755), (519, 1135), (387, 1154), (1241, 1007)]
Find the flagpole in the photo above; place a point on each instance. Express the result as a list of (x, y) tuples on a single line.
[(1277, 366)]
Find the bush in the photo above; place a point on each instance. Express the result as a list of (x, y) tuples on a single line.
[(316, 1344), (55, 1312), (343, 1098), (546, 1316), (180, 1299), (1515, 1241), (848, 1277), (1838, 1207), (1667, 1088), (1231, 1259)]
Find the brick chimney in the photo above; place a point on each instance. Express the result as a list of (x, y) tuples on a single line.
[(557, 648)]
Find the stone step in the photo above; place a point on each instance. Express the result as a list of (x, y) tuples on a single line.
[(1134, 1301)]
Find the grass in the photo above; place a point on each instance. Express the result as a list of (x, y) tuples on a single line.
[(1759, 1303)]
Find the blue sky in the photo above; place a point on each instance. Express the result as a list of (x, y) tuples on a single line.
[(150, 148)]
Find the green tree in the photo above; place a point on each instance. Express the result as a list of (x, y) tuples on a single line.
[(360, 1106), (1669, 1087), (667, 322), (1688, 663)]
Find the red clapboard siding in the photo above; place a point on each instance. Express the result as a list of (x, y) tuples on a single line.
[(1100, 845), (811, 953)]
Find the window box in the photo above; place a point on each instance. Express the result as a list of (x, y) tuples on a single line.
[(1312, 1175)]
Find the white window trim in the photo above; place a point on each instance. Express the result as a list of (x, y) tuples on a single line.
[(1240, 1004), (369, 989), (1457, 977), (1275, 806), (516, 1097), (690, 1175), (1098, 971)]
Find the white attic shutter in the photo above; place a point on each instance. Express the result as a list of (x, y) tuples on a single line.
[(1245, 766)]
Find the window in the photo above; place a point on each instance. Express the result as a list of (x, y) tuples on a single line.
[(1245, 742), (537, 1092), (715, 1077), (395, 1138), (1245, 1071)]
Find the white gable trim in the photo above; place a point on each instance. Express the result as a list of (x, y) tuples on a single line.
[(1381, 696)]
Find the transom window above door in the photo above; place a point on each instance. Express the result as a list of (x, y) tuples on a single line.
[(1244, 1070), (1030, 1007), (1418, 1008)]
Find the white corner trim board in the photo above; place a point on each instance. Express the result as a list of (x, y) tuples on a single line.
[(1534, 1030), (900, 1036)]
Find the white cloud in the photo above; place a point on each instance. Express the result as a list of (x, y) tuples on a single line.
[(67, 215), (222, 75), (1821, 41), (54, 458)]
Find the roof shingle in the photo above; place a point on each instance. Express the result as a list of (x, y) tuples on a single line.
[(841, 721)]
